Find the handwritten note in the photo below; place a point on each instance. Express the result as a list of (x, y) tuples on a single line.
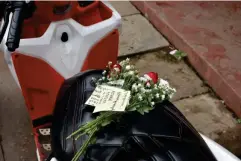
[(108, 98)]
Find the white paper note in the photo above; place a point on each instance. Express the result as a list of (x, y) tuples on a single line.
[(108, 98)]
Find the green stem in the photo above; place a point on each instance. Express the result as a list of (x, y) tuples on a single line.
[(91, 124), (85, 145)]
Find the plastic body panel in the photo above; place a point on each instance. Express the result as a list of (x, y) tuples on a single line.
[(43, 61), (88, 47)]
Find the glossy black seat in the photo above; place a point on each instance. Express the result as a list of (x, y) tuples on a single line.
[(161, 135)]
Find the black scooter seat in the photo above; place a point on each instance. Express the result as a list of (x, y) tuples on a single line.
[(164, 134)]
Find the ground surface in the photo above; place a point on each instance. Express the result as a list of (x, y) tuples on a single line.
[(205, 111), (210, 33)]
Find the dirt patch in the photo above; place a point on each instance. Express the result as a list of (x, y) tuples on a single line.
[(231, 139)]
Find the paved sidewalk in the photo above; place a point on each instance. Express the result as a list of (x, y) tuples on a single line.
[(144, 44), (210, 33)]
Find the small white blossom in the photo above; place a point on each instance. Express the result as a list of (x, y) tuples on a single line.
[(104, 72), (122, 63), (157, 95), (143, 79), (128, 67), (127, 59), (140, 98), (109, 63), (117, 69), (163, 82), (103, 78), (148, 90), (155, 86), (163, 97), (139, 85), (171, 95), (94, 79), (152, 103), (147, 77), (143, 90), (134, 87), (131, 73)]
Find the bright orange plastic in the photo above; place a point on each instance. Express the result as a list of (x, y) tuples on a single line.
[(44, 15), (104, 51), (38, 80)]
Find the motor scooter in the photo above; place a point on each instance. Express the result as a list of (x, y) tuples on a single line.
[(46, 43)]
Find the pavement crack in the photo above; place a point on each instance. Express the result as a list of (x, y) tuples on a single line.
[(195, 95)]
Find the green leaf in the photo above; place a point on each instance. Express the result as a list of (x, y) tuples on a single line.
[(179, 55), (239, 121), (146, 110), (105, 123), (132, 109), (141, 111)]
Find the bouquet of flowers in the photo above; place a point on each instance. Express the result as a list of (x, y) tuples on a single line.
[(144, 92)]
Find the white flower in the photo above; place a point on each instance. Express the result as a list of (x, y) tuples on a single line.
[(171, 95), (143, 79), (134, 87), (104, 72), (157, 95), (148, 84), (94, 79), (103, 78), (109, 63), (131, 73), (127, 59), (172, 52), (152, 103), (147, 77), (139, 85), (155, 86), (163, 97), (174, 90), (140, 98), (163, 82), (143, 90), (122, 63), (148, 90), (117, 69), (128, 67)]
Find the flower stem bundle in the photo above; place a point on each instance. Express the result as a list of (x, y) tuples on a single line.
[(146, 91)]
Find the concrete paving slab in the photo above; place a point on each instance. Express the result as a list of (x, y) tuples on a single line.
[(180, 75), (138, 35), (125, 8), (17, 141), (211, 117), (207, 114)]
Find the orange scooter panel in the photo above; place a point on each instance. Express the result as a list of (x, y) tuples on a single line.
[(39, 82)]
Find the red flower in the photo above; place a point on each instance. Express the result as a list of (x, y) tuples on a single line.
[(117, 67), (151, 76)]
